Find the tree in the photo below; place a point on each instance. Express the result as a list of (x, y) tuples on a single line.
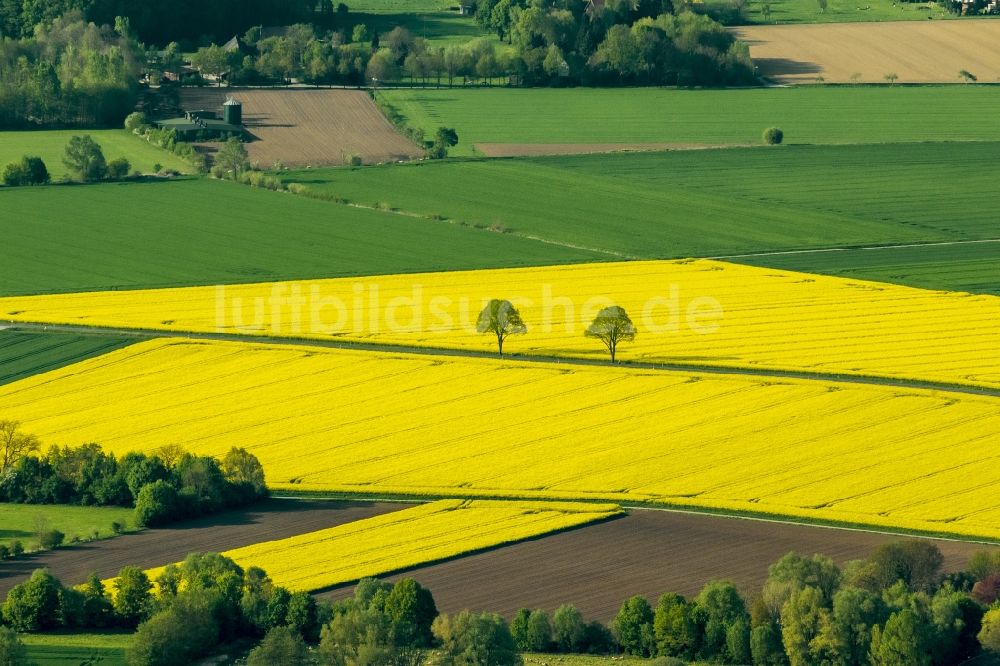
[(97, 609), (472, 639), (519, 628), (773, 136), (212, 60), (633, 627), (674, 627), (989, 635), (28, 171), (502, 319), (891, 77), (281, 645), (446, 136), (904, 641), (612, 326), (766, 648), (232, 158), (794, 572), (12, 650), (719, 606), (84, 159), (359, 34), (14, 445), (411, 609), (568, 629), (34, 605), (132, 600), (822, 5), (916, 563), (302, 615), (802, 619), (136, 121), (156, 504), (240, 467), (855, 612), (967, 76), (539, 631)]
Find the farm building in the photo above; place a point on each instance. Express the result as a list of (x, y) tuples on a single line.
[(204, 124)]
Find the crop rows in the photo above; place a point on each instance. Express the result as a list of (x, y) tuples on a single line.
[(403, 539), (422, 425), (687, 312)]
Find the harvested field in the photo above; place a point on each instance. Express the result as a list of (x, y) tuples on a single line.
[(647, 553), (273, 519), (310, 127), (917, 52), (541, 149)]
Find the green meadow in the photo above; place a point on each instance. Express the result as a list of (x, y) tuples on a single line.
[(814, 114), (20, 522), (50, 145), (65, 649)]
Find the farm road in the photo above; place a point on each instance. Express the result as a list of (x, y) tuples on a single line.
[(464, 353)]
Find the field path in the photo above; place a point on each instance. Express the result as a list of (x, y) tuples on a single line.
[(898, 246), (532, 358), (916, 51)]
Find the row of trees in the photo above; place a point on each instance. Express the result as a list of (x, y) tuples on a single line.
[(611, 326), (893, 609), (69, 72), (165, 486), (158, 22)]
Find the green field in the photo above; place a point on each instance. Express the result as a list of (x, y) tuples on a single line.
[(815, 114), (23, 354), (50, 145), (845, 11), (412, 6), (438, 28), (63, 649), (725, 202), (19, 521), (199, 231)]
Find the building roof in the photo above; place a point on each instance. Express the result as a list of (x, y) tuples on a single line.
[(207, 124)]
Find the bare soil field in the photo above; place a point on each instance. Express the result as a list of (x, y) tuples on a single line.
[(647, 552), (542, 149), (916, 51), (272, 519), (304, 128)]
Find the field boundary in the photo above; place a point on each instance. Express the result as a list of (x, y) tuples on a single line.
[(741, 371), (633, 505)]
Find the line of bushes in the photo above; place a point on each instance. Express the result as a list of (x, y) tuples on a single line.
[(163, 487)]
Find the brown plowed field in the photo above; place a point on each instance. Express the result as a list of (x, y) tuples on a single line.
[(302, 127), (647, 553), (918, 52), (539, 149), (273, 519)]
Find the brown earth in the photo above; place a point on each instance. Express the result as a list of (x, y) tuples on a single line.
[(918, 52), (272, 519), (647, 553), (540, 149), (304, 127)]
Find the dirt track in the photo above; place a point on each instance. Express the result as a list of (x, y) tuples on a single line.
[(916, 51), (538, 149), (274, 519), (647, 553), (309, 127)]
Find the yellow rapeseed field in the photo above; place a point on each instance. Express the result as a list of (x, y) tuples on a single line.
[(416, 424), (407, 538), (689, 312)]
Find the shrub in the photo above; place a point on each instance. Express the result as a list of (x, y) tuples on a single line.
[(117, 527), (118, 168), (17, 549), (84, 159), (156, 504), (50, 539), (136, 121), (28, 171), (157, 168), (297, 188), (773, 136), (12, 650), (4, 552), (353, 160)]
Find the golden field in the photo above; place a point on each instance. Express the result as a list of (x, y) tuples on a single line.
[(407, 538), (688, 312), (422, 425)]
